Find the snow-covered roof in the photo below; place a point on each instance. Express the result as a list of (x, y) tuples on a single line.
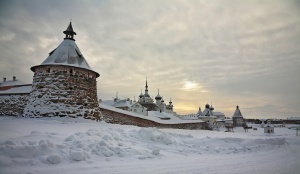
[(190, 117), (293, 118), (207, 112), (67, 53), (158, 114), (18, 90), (108, 102), (123, 103), (237, 112), (199, 111), (11, 83), (218, 114), (152, 117)]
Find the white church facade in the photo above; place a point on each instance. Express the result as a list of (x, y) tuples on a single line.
[(144, 104)]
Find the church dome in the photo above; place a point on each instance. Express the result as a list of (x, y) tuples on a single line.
[(158, 97), (141, 95)]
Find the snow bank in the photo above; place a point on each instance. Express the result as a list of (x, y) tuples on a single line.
[(34, 143)]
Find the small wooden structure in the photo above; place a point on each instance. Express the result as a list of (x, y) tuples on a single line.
[(229, 125), (269, 128)]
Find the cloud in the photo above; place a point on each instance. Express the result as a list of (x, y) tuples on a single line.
[(225, 51)]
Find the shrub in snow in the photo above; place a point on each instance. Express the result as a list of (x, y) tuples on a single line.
[(155, 152), (70, 138), (8, 142), (106, 152), (155, 135), (54, 159), (77, 156)]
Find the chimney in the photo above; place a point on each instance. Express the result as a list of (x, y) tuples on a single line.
[(4, 79), (14, 78)]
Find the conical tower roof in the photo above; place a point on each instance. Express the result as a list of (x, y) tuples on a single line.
[(237, 112), (67, 53)]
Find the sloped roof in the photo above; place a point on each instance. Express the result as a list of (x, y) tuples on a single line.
[(18, 90), (67, 53), (237, 112), (207, 112), (123, 103), (11, 83)]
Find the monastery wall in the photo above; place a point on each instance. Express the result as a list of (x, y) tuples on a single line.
[(121, 118), (13, 104), (63, 91)]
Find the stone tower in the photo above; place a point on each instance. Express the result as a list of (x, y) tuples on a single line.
[(237, 117), (64, 84)]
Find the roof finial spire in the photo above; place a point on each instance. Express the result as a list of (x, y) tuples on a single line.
[(69, 32)]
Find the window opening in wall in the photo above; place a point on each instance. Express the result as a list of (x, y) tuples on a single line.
[(71, 71), (48, 70)]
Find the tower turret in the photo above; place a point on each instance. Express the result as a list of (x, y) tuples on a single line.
[(69, 32), (64, 84)]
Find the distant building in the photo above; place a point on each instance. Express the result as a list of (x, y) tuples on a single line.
[(237, 117), (269, 128), (144, 105), (207, 115), (13, 96), (146, 101)]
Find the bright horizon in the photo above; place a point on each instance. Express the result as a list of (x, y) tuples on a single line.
[(226, 53)]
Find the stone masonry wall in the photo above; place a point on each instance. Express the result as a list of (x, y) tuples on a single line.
[(63, 91), (120, 118), (13, 105)]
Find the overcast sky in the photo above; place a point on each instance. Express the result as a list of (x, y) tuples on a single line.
[(228, 52)]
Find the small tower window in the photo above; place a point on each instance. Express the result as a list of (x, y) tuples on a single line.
[(71, 71), (48, 70)]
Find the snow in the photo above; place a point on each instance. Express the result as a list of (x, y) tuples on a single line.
[(65, 145), (294, 118), (11, 83), (17, 90), (152, 115), (67, 53)]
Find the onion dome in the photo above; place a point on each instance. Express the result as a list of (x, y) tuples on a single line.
[(170, 102), (207, 106), (141, 95), (158, 97)]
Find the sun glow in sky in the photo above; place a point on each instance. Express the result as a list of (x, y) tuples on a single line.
[(189, 85), (227, 52)]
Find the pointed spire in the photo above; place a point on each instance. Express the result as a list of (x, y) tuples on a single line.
[(146, 89), (158, 97), (69, 32)]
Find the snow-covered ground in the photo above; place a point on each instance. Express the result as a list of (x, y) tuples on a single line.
[(62, 145)]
